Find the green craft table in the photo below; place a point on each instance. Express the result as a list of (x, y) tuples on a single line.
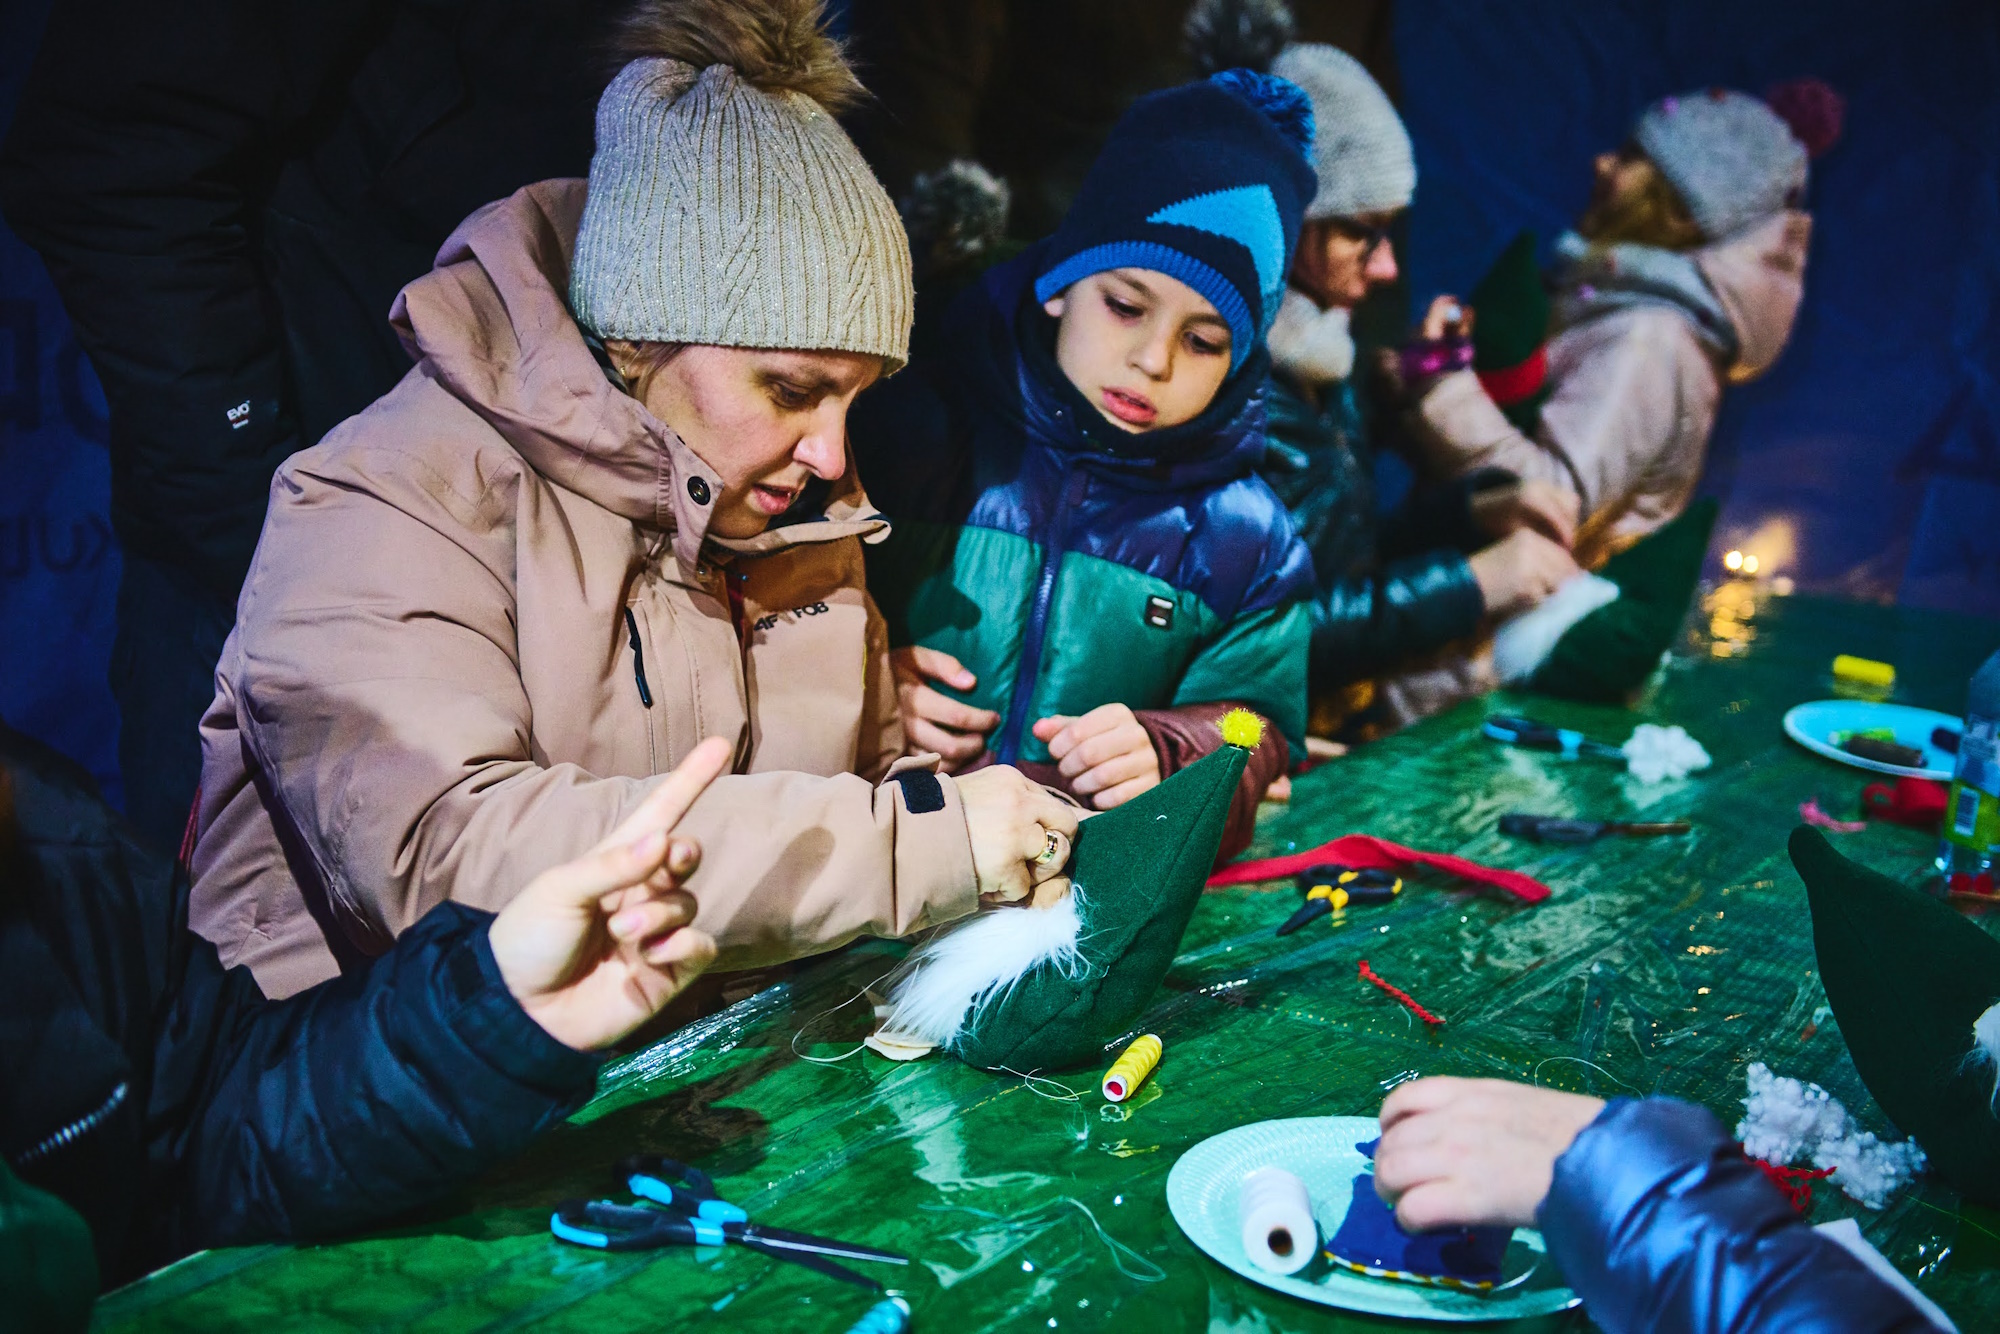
[(1662, 965)]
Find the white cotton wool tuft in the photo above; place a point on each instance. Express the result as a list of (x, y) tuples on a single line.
[(1784, 1120), (1523, 643), (950, 977), (1655, 753), (1986, 1050)]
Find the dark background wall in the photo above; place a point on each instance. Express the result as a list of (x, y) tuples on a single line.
[(1866, 463)]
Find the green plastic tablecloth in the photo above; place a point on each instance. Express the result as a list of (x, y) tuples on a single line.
[(1661, 965)]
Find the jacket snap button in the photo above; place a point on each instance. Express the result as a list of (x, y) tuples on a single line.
[(698, 490)]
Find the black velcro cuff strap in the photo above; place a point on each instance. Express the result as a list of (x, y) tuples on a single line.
[(922, 792)]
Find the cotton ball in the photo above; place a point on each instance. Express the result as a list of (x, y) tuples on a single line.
[(1783, 1118), (1865, 1168), (1655, 754), (1986, 1049)]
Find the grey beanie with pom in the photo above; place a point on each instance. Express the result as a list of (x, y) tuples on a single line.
[(1732, 159), (726, 206), (1361, 152)]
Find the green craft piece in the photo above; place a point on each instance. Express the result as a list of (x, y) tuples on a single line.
[(1138, 871), (48, 1269), (1906, 977), (1609, 654), (1511, 323)]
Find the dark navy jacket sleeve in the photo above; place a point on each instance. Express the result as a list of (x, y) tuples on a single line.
[(358, 1099), (1659, 1223)]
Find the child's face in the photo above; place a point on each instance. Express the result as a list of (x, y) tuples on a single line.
[(1147, 350)]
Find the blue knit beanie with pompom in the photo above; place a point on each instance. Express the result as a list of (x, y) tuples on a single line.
[(1206, 183)]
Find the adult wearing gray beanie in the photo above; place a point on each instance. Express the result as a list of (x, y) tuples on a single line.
[(609, 513)]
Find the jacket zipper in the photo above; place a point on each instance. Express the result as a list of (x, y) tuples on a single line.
[(1075, 482), (75, 1130), (638, 659)]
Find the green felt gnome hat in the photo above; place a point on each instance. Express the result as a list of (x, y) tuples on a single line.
[(1029, 989), (1510, 333), (1609, 653), (1909, 981)]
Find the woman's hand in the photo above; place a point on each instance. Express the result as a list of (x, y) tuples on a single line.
[(1474, 1152), (1549, 509), (1520, 570), (1448, 317), (595, 947), (1105, 754), (935, 721), (1012, 821)]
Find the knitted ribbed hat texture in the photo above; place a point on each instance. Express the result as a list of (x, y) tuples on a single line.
[(1205, 183), (721, 214), (1733, 160), (1361, 152)]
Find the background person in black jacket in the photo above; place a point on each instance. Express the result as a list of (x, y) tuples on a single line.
[(228, 195), (173, 1107)]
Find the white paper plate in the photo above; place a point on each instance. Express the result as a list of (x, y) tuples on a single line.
[(1321, 1151), (1814, 726)]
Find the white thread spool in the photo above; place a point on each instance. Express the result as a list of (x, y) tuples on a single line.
[(1278, 1229)]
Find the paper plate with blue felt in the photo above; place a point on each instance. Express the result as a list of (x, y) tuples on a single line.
[(1328, 1154)]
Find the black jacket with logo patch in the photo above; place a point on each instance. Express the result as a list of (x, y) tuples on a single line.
[(174, 1107)]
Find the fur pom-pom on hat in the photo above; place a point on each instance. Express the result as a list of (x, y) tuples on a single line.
[(775, 46), (1815, 112), (1232, 34), (1279, 101), (956, 216)]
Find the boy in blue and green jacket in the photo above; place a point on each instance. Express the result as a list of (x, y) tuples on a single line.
[(1085, 570)]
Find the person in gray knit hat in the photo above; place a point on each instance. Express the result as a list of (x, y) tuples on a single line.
[(608, 513)]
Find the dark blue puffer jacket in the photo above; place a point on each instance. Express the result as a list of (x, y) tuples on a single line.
[(171, 1105), (1661, 1225), (1066, 563)]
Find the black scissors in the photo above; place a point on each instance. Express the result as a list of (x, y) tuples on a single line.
[(1518, 731), (1330, 888)]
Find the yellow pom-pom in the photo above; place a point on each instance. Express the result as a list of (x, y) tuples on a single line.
[(1240, 727)]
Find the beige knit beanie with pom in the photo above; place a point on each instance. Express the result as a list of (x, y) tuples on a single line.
[(726, 206)]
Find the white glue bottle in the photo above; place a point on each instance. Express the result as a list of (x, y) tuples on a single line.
[(1972, 812)]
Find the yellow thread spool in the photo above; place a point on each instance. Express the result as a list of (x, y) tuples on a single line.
[(1129, 1071), (1863, 671)]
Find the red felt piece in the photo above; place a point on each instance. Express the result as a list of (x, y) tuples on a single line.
[(1365, 852), (1917, 802)]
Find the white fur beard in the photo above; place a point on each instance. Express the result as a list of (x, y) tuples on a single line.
[(1310, 344), (1986, 1051), (940, 989), (1523, 644)]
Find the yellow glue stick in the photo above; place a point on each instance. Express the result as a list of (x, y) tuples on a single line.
[(1863, 671)]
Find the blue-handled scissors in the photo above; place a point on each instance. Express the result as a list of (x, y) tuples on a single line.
[(1518, 731), (606, 1226)]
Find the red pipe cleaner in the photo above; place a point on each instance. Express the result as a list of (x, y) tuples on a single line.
[(1370, 975), (1795, 1182)]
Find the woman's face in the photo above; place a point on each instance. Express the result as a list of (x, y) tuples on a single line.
[(768, 422), (1340, 259), (1147, 350)]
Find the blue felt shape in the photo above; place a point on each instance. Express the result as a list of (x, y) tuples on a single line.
[(1370, 1236)]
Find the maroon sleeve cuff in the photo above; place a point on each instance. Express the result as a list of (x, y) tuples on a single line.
[(1183, 735)]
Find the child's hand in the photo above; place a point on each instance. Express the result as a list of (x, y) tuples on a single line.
[(934, 721), (1106, 755), (1474, 1152), (1549, 509)]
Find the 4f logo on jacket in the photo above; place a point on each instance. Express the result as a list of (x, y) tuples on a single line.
[(811, 609)]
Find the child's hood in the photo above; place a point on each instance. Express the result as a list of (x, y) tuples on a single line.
[(995, 340), (1758, 277)]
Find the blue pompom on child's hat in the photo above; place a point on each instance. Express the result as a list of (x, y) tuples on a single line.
[(1205, 183)]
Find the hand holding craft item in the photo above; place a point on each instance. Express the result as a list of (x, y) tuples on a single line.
[(1602, 635), (1035, 989), (1279, 1234), (1912, 985)]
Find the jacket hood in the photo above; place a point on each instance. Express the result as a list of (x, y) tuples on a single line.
[(491, 325), (1741, 293), (1003, 341)]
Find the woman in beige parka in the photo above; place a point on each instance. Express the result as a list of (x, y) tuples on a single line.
[(607, 514)]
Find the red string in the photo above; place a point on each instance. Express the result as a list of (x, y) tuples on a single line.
[(1370, 975), (1795, 1182)]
